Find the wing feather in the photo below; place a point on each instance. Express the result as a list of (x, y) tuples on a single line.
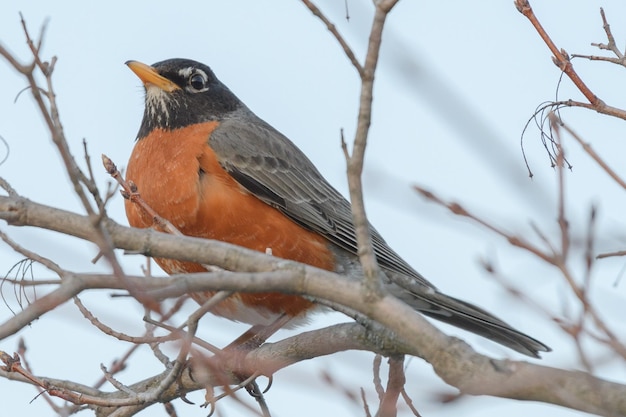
[(279, 174)]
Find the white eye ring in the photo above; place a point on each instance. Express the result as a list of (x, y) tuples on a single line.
[(197, 81)]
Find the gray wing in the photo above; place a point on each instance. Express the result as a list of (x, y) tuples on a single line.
[(272, 168)]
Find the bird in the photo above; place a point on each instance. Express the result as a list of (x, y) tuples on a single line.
[(206, 163)]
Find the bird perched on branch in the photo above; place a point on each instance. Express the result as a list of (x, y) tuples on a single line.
[(215, 170)]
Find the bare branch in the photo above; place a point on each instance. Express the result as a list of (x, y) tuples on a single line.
[(387, 326), (562, 60), (48, 263), (474, 375), (371, 270), (395, 386), (610, 46), (560, 57), (333, 29), (597, 158), (514, 240), (130, 192)]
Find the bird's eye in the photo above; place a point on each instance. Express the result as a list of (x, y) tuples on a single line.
[(197, 82)]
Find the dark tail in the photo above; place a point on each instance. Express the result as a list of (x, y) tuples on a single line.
[(476, 320), (420, 294)]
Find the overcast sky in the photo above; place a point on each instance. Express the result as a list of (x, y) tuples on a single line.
[(456, 84)]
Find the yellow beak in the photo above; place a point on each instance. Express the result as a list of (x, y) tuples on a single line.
[(149, 76)]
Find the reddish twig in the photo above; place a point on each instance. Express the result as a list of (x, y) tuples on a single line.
[(562, 60), (409, 402), (556, 258), (13, 364), (597, 158), (366, 407), (611, 254), (560, 56), (21, 353), (130, 192), (459, 210), (395, 386)]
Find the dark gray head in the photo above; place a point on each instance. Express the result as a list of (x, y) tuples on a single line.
[(181, 92)]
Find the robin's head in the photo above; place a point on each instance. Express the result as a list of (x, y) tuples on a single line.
[(181, 92)]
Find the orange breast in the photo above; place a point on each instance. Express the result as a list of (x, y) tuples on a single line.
[(178, 175)]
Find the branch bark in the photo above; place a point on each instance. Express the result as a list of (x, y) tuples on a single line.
[(387, 326), (395, 328), (561, 59)]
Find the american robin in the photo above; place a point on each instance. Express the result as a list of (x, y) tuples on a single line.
[(215, 170)]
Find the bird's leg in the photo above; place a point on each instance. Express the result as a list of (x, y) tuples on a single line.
[(248, 341), (258, 334), (232, 356)]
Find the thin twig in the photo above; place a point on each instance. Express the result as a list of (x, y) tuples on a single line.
[(333, 29), (130, 192), (372, 286), (378, 385), (395, 386), (119, 335), (560, 162), (366, 407), (48, 263), (594, 155), (42, 393), (560, 56), (4, 184), (610, 46), (459, 210), (409, 402)]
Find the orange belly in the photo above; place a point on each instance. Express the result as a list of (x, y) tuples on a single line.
[(178, 175)]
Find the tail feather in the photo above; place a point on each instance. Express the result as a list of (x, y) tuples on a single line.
[(476, 320), (426, 299)]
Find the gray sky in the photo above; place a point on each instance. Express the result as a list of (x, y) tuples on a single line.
[(456, 84)]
